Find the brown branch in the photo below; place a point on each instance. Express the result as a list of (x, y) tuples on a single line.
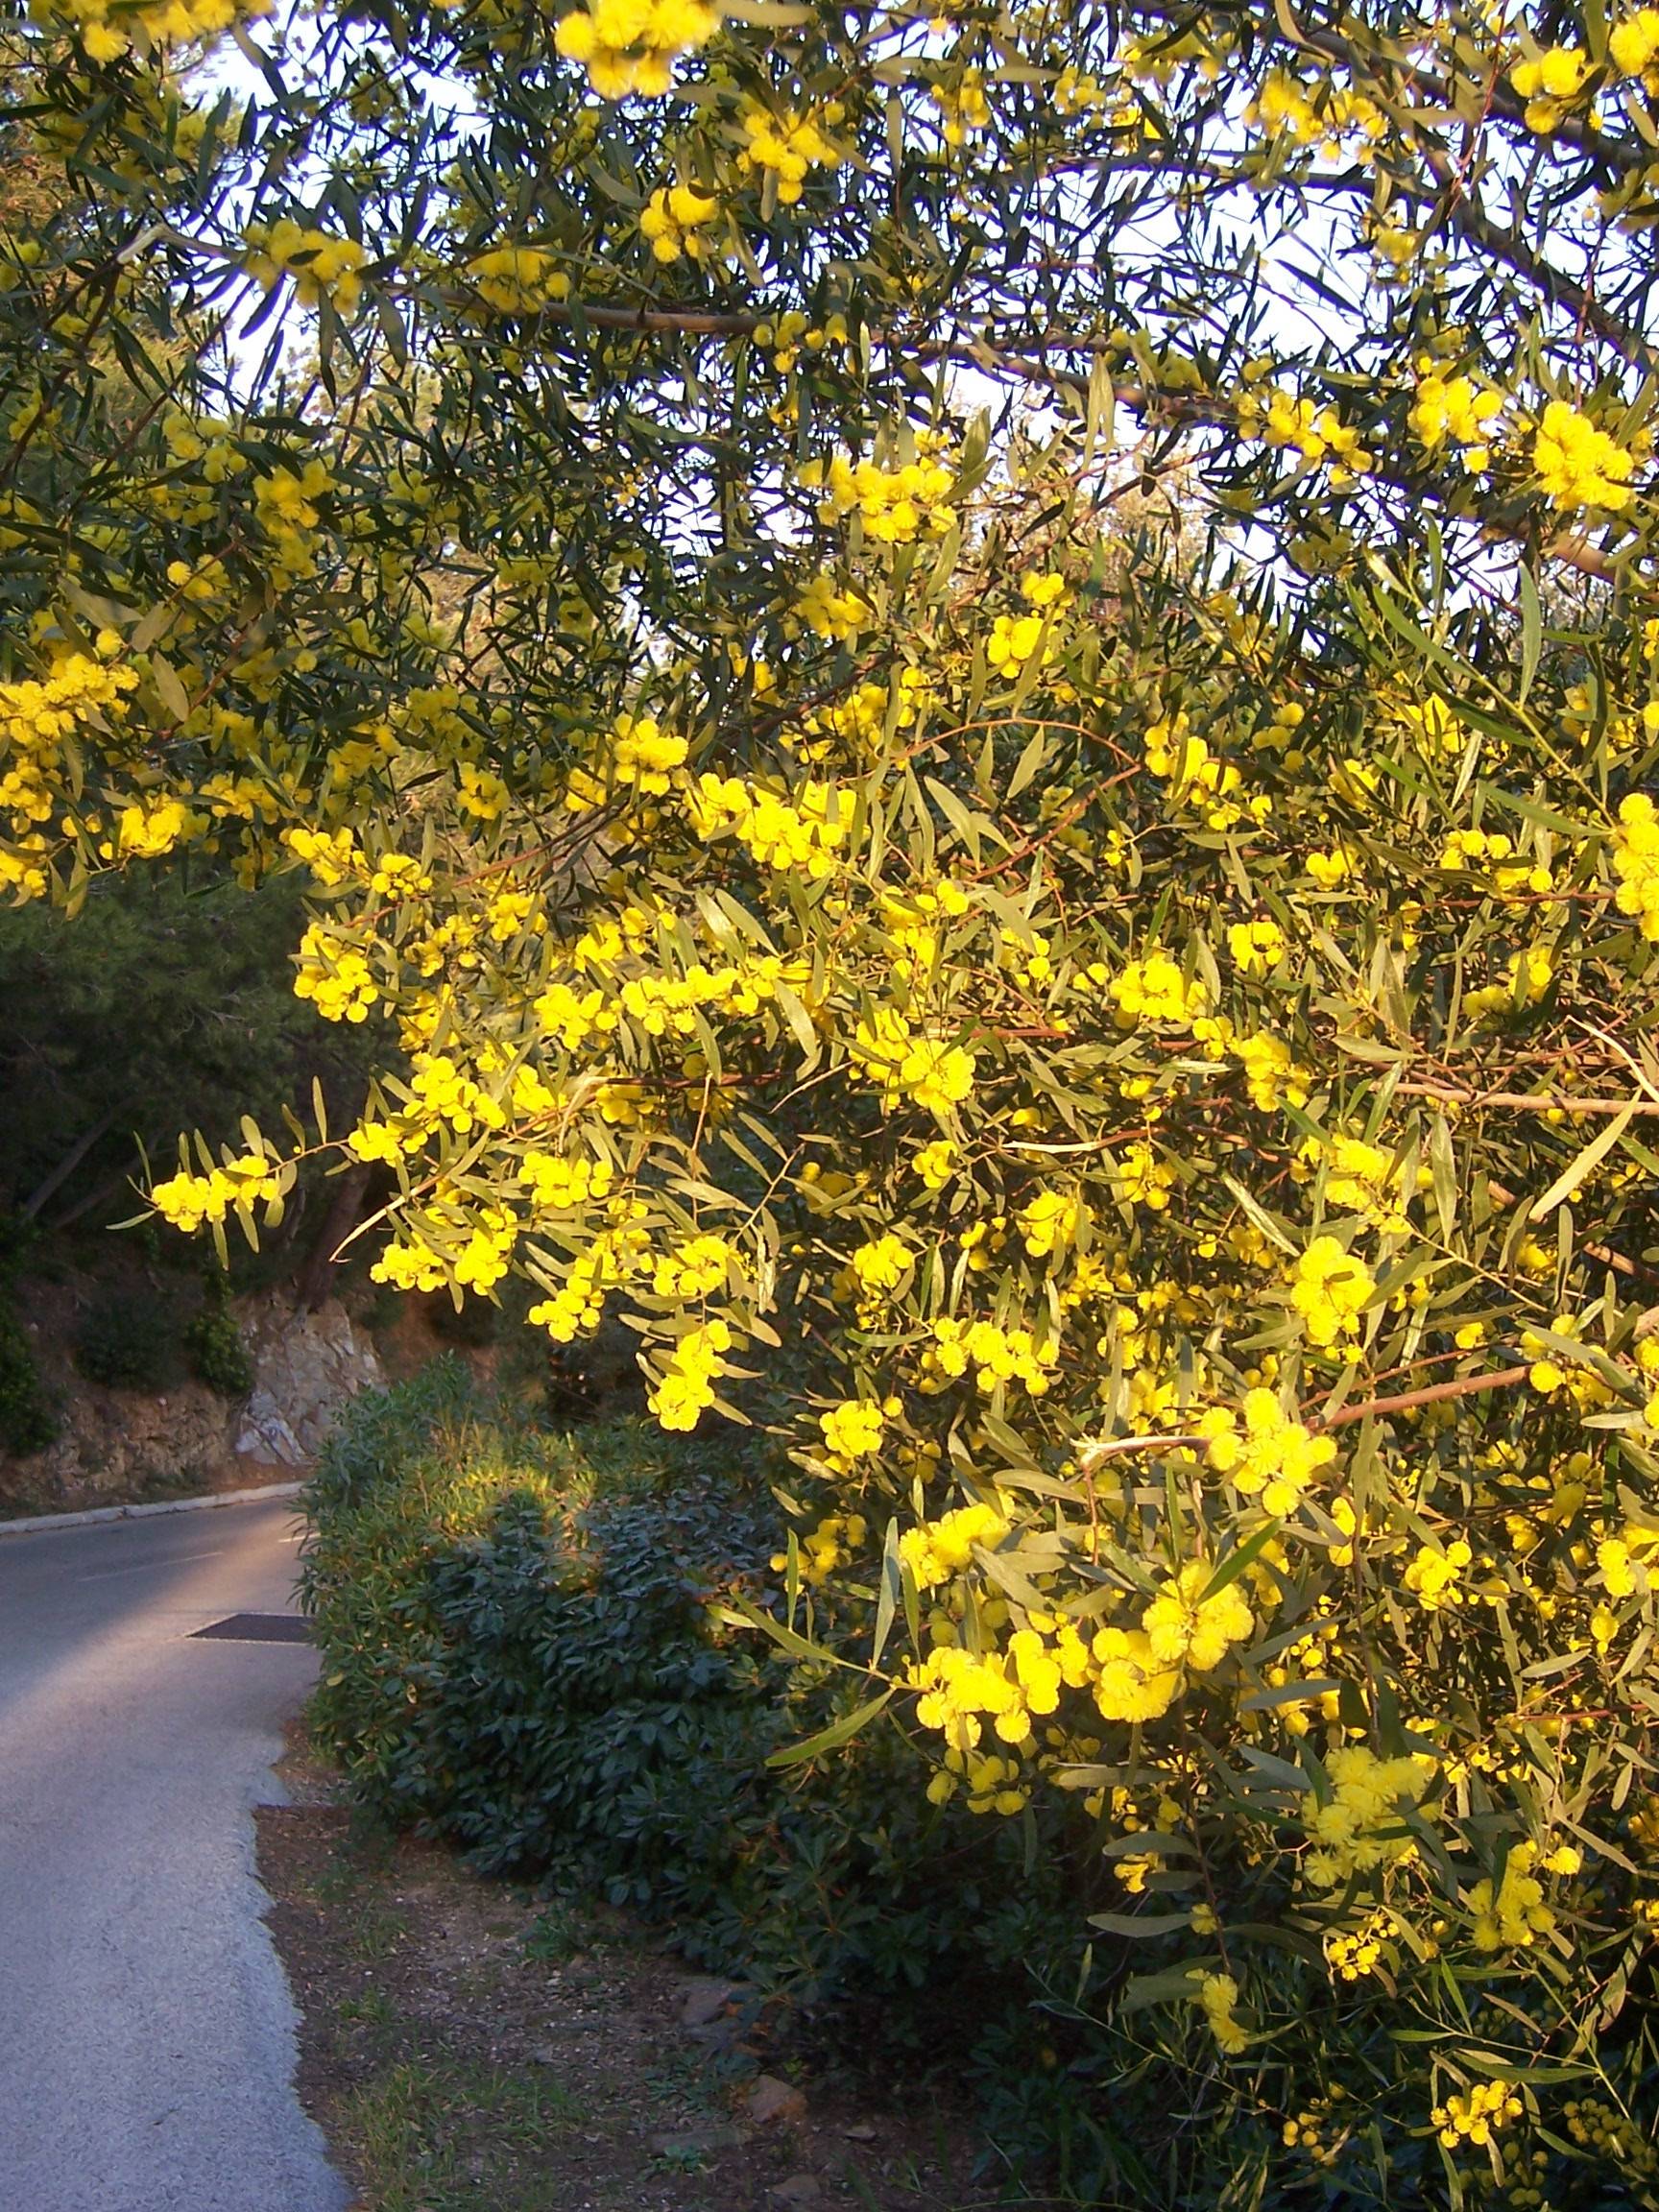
[(1499, 1379), (1526, 1102)]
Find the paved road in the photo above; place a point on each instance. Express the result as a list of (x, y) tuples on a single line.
[(146, 2031)]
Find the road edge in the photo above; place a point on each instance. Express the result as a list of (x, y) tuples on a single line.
[(41, 1523)]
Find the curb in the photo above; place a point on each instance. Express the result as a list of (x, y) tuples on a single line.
[(42, 1523)]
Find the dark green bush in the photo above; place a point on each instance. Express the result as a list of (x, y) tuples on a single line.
[(125, 1339), (214, 1342), (518, 1654), (26, 1423)]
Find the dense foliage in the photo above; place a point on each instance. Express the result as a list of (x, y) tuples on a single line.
[(1098, 985), (519, 1652)]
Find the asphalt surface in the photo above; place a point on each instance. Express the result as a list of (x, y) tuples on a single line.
[(146, 2031)]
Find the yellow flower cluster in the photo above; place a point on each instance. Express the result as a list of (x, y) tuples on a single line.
[(1140, 1178), (444, 1092), (331, 855), (1633, 48), (187, 1200), (852, 1431), (1049, 1222), (688, 1387), (144, 833), (806, 834), (1217, 1994), (1360, 1178), (1482, 851), (1360, 1828), (1527, 975), (1474, 2118), (1594, 2123), (162, 23), (788, 145), (556, 1184), (1275, 1455), (904, 1064), (37, 716), (1183, 1627), (518, 280), (1625, 1560), (936, 1162), (992, 1782), (938, 1549), (1636, 862), (1269, 1070), (672, 220), (831, 1545), (1329, 1288), (1517, 1914), (1331, 116), (1550, 84), (998, 1356), (895, 505), (1579, 465), (1132, 1684), (1458, 409), (334, 977), (1318, 434), (286, 506), (640, 757), (873, 1273), (1155, 990), (832, 614), (1354, 1953), (1257, 946), (632, 45), (1433, 1578), (408, 1267), (962, 107), (322, 267), (613, 1258), (1195, 775), (694, 1268), (959, 1686)]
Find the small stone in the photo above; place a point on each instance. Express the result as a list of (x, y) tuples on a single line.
[(799, 2189), (862, 2132), (545, 2056), (771, 2100), (705, 1999), (718, 2035), (696, 2139)]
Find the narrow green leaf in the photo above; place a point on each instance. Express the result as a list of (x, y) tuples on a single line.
[(830, 1738)]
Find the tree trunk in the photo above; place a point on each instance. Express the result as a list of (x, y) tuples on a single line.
[(316, 1277)]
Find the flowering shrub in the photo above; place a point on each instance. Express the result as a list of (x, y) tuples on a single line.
[(1094, 983)]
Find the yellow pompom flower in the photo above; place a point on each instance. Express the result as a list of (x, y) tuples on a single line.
[(1579, 465), (1329, 1288), (632, 45), (1184, 1628), (1275, 1456)]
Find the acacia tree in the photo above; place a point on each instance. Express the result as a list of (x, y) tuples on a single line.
[(1130, 1047)]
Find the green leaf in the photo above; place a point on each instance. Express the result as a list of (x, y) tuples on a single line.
[(1234, 1565), (1175, 1985), (890, 1586), (1141, 1927), (1148, 1842), (1531, 631), (838, 1733)]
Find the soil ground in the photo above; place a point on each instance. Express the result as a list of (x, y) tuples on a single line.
[(466, 2049)]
